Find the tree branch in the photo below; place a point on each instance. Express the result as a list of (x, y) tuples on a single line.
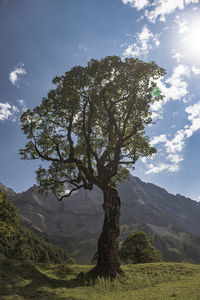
[(87, 134), (127, 162), (71, 191), (110, 115)]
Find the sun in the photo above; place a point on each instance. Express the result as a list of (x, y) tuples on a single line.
[(192, 40)]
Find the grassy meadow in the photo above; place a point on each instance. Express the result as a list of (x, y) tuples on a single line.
[(155, 281)]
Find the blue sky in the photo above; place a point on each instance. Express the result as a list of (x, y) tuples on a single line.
[(43, 38)]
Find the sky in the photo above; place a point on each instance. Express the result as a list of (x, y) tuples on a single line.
[(41, 39)]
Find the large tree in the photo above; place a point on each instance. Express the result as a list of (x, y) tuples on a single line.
[(90, 129)]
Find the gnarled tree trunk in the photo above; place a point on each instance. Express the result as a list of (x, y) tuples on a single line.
[(108, 264)]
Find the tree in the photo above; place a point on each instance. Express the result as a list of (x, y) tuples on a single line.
[(138, 248), (90, 129), (9, 219)]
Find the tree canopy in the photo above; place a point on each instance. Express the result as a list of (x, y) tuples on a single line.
[(138, 248), (91, 126)]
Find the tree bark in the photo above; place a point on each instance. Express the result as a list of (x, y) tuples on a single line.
[(108, 263)]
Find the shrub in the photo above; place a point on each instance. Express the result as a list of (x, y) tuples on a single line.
[(138, 248)]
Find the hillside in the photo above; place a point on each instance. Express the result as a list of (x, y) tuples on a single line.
[(155, 281), (19, 242), (172, 221)]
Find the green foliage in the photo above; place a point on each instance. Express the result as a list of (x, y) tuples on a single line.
[(8, 216), (19, 242), (91, 127), (137, 248), (185, 247), (178, 247)]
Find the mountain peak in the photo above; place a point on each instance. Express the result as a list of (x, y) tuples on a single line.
[(8, 190)]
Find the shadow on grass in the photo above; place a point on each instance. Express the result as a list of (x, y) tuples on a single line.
[(33, 281)]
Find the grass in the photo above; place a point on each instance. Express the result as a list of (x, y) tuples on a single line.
[(155, 281)]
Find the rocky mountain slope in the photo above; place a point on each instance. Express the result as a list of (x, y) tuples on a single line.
[(81, 215), (82, 212)]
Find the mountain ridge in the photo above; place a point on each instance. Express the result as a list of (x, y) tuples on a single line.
[(146, 199), (76, 222)]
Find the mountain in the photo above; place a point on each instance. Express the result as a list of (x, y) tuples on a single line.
[(76, 222)]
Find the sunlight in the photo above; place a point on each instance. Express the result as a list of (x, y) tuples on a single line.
[(192, 40)]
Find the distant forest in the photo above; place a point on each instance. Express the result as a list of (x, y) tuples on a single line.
[(19, 242)]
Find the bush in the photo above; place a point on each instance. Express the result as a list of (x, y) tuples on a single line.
[(138, 248)]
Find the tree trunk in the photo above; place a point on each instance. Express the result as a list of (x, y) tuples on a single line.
[(108, 264)]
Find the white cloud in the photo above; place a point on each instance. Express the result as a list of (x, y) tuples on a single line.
[(14, 75), (144, 160), (193, 112), (182, 25), (195, 70), (7, 111), (177, 143), (158, 139), (155, 115), (156, 109), (169, 156), (177, 56), (191, 1), (162, 8), (175, 158), (158, 9), (138, 4), (145, 40), (173, 88), (161, 167), (82, 47), (22, 104), (177, 85), (12, 112)]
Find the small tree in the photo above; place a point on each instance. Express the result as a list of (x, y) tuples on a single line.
[(138, 248), (90, 128)]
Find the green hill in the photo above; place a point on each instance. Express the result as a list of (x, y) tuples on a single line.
[(152, 281), (19, 242)]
